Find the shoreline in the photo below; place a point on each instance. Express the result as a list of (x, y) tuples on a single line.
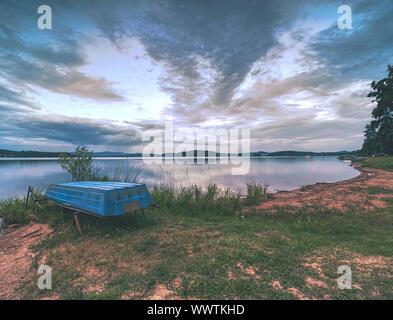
[(174, 157), (340, 195), (361, 175), (274, 186)]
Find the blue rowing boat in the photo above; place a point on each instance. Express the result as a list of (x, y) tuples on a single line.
[(105, 199)]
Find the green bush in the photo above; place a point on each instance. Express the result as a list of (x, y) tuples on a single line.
[(79, 164)]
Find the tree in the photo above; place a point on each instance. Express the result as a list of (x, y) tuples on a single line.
[(79, 164), (371, 143), (379, 133)]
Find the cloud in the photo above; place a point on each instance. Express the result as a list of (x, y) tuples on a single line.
[(281, 68), (229, 35), (69, 130), (65, 51), (14, 97), (50, 60), (300, 105), (57, 79), (364, 51)]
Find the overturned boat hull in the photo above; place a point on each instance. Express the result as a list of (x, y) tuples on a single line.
[(105, 199)]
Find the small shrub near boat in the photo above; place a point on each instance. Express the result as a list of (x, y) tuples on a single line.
[(18, 211), (14, 211), (163, 195), (79, 164)]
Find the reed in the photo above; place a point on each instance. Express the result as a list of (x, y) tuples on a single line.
[(128, 173), (212, 199)]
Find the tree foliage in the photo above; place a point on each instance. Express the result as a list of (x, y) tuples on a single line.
[(79, 164), (379, 132)]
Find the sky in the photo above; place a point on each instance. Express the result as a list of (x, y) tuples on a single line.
[(108, 71)]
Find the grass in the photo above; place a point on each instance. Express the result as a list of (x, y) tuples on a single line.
[(129, 173), (211, 200), (191, 200), (379, 190), (212, 243), (256, 193), (383, 163), (14, 211), (21, 212), (211, 256)]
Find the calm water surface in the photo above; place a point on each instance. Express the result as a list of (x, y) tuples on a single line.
[(280, 173)]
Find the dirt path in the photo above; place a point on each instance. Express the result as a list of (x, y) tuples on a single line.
[(16, 256), (369, 190)]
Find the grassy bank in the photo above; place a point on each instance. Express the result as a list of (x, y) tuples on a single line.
[(255, 255), (209, 243), (383, 163), (190, 200)]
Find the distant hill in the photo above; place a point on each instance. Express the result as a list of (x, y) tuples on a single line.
[(308, 153), (28, 154), (116, 154), (41, 154)]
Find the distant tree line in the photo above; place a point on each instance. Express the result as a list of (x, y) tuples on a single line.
[(28, 154), (379, 132)]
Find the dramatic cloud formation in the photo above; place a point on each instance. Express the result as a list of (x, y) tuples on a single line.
[(108, 71)]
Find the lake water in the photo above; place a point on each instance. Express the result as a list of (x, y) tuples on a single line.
[(279, 173)]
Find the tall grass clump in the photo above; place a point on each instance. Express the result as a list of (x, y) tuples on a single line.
[(21, 212), (14, 211), (256, 193), (196, 200), (128, 173)]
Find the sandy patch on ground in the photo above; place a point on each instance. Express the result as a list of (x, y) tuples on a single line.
[(91, 261), (361, 263), (231, 275), (367, 264), (312, 282), (341, 196), (93, 279), (276, 285), (16, 256), (249, 271), (161, 292), (318, 263), (177, 283), (131, 295), (362, 267), (295, 292), (317, 268)]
